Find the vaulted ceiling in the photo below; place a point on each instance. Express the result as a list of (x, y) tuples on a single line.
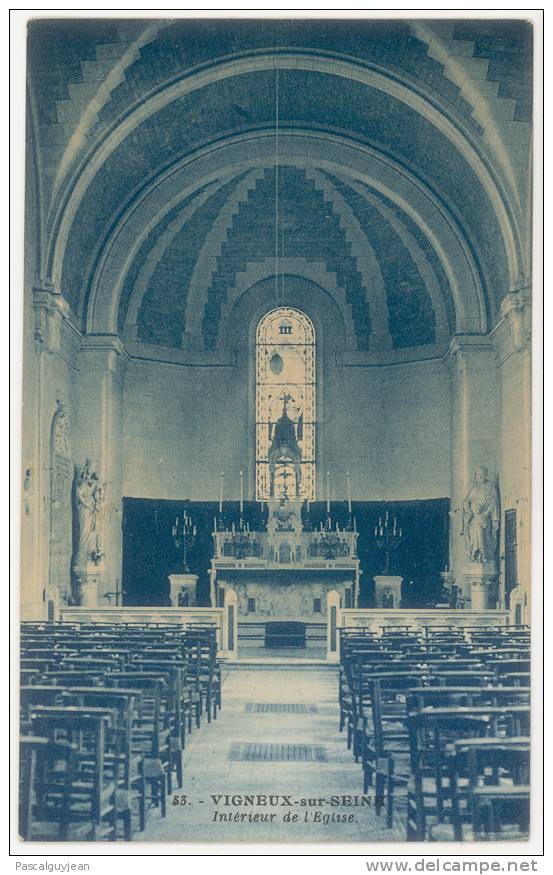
[(395, 155)]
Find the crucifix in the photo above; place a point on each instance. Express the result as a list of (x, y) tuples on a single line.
[(285, 399), (285, 475)]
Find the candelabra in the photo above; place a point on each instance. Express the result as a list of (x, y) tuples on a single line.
[(184, 537), (387, 537), (241, 544)]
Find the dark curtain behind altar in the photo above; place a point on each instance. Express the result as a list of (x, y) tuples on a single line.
[(149, 554)]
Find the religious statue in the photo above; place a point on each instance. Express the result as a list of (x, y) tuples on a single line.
[(481, 518), (89, 499)]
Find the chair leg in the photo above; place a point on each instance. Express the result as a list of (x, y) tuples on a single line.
[(390, 795), (142, 807), (177, 756), (367, 779), (378, 793), (127, 825)]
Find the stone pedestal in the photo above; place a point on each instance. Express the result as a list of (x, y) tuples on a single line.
[(480, 582), (387, 591), (87, 584), (183, 590)]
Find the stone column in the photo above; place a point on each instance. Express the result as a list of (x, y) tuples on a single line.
[(99, 431), (473, 437)]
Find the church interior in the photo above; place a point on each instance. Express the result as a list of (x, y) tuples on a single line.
[(276, 440)]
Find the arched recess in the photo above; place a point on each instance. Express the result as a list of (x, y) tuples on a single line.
[(316, 272), (366, 74), (332, 153), (330, 329), (60, 535), (285, 421)]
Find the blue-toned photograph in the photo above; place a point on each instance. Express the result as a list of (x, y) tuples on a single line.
[(276, 432)]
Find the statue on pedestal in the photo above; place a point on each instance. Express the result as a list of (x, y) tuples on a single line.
[(89, 500), (481, 518)]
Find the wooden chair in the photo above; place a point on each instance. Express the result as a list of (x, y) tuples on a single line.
[(126, 766), (494, 801), (86, 797), (40, 758), (386, 751), (151, 731), (429, 791)]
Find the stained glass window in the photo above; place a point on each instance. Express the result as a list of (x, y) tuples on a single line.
[(285, 405)]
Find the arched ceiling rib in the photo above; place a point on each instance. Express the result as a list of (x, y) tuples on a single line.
[(376, 113), (304, 150), (394, 135)]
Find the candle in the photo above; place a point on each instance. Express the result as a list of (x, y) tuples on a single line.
[(349, 493), (221, 493), (241, 492), (214, 523), (328, 491), (375, 531)]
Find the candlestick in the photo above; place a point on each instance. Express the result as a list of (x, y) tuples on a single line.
[(349, 493), (221, 493), (241, 492), (328, 491)]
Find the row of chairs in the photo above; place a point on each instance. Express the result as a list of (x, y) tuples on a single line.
[(105, 714), (439, 721)]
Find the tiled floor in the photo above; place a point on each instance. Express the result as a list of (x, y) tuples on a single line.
[(278, 751)]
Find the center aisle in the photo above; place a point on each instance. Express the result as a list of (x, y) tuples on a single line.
[(277, 735)]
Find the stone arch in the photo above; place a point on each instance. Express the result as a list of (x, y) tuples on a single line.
[(339, 156), (315, 271), (334, 65)]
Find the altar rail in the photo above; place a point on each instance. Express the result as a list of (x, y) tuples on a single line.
[(218, 617), (374, 619)]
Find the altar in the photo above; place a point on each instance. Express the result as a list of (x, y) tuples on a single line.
[(284, 573)]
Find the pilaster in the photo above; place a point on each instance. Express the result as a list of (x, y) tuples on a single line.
[(99, 428), (511, 337), (473, 433)]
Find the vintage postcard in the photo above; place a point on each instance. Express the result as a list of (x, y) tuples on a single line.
[(276, 443)]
